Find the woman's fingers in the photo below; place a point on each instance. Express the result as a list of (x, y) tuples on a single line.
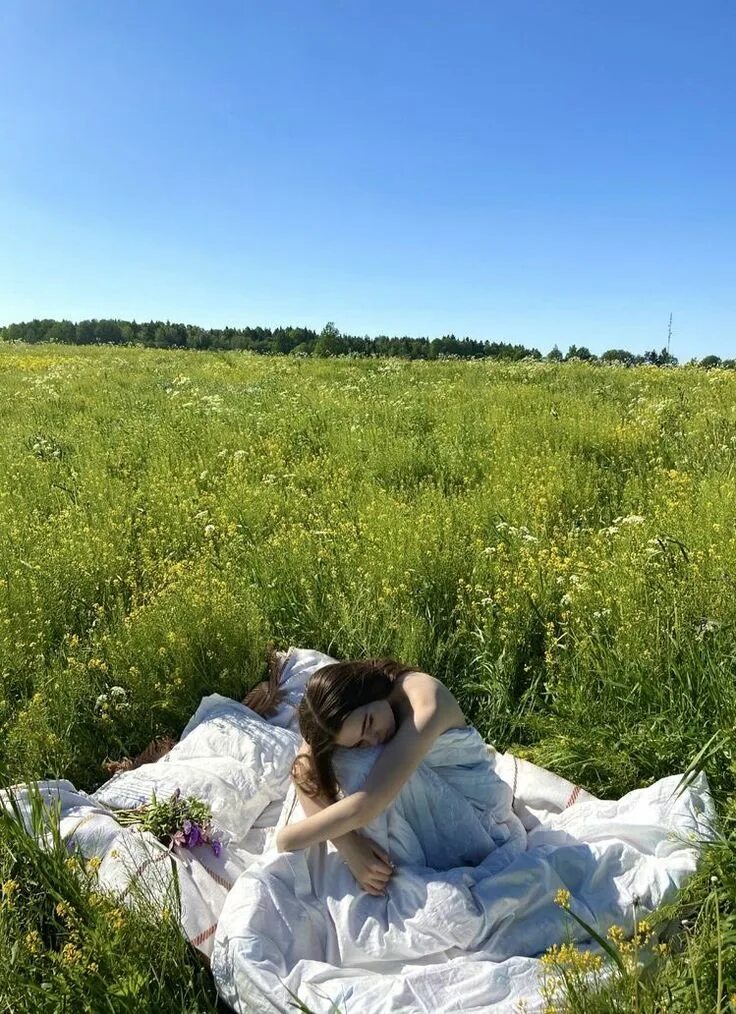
[(382, 871), (371, 887), (382, 865), (382, 855), (376, 880), (373, 890)]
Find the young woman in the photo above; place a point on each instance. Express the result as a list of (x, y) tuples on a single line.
[(358, 704)]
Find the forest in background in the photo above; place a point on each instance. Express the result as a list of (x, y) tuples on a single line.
[(308, 342)]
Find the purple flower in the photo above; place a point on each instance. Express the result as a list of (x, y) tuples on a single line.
[(216, 847), (194, 835), (187, 826)]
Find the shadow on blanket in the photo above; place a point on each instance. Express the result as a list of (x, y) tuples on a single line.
[(482, 843)]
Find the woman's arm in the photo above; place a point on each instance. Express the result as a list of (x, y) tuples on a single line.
[(369, 863), (399, 758), (316, 804)]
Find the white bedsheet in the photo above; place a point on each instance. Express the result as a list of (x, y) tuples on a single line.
[(472, 900), (482, 841)]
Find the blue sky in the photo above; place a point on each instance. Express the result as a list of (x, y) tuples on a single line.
[(531, 172)]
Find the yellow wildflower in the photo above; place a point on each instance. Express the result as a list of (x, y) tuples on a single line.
[(568, 956), (562, 898), (70, 954), (643, 931), (93, 864), (9, 888), (33, 941)]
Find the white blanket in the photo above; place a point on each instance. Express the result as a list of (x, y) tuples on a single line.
[(471, 903), (229, 757), (482, 841)]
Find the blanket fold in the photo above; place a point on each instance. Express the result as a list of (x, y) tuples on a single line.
[(482, 841), (471, 888)]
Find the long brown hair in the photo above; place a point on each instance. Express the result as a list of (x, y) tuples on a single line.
[(265, 698), (333, 691)]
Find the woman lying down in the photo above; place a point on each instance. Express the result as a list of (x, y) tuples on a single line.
[(459, 898)]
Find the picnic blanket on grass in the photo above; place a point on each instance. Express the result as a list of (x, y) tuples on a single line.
[(481, 841)]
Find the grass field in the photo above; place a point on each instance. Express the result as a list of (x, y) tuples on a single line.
[(556, 542)]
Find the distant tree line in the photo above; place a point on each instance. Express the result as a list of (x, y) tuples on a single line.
[(271, 341), (304, 341), (654, 358)]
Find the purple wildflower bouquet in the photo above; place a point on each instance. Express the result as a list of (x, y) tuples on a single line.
[(186, 822)]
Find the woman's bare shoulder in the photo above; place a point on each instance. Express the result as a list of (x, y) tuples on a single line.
[(423, 690), (416, 683)]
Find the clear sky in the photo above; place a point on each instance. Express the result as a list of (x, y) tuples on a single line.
[(525, 171)]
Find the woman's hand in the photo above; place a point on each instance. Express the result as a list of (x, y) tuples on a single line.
[(368, 862)]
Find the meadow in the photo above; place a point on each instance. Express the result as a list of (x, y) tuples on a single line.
[(556, 542)]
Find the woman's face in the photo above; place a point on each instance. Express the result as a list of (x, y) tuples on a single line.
[(368, 725)]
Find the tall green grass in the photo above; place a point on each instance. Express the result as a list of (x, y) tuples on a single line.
[(555, 542)]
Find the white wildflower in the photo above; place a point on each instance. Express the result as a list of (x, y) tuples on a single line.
[(211, 402)]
